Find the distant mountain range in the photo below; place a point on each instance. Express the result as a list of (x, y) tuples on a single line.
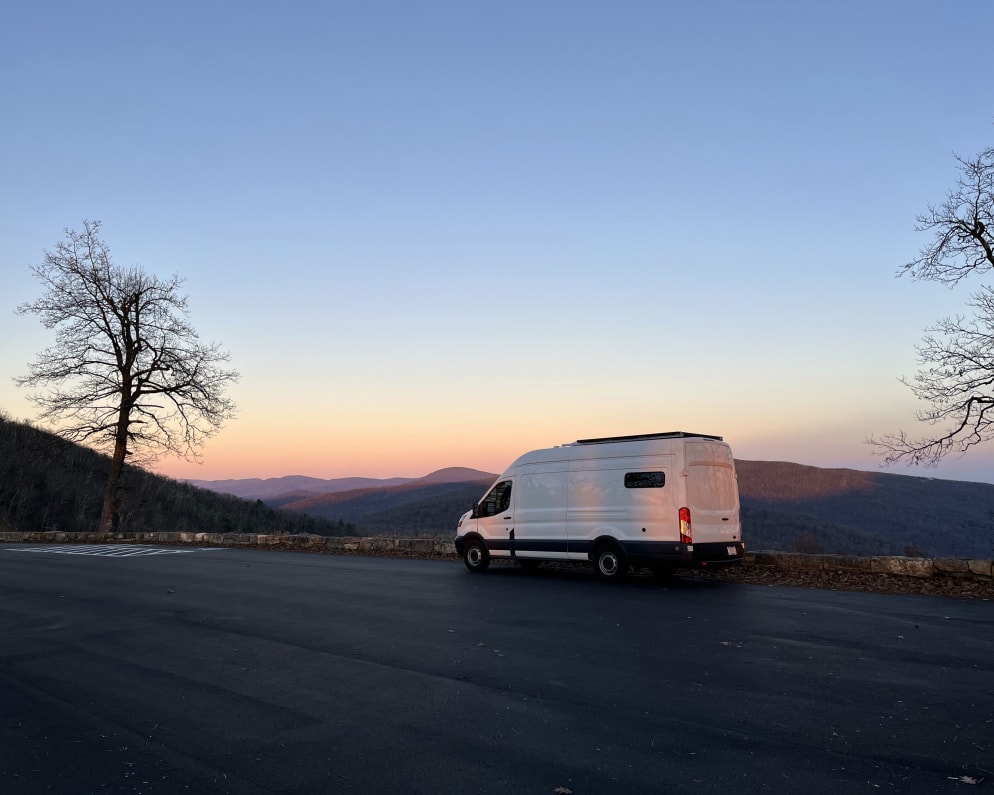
[(302, 485), (398, 506), (784, 506)]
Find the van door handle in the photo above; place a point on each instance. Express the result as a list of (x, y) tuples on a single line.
[(507, 518)]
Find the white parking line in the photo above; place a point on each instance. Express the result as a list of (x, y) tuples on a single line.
[(110, 550)]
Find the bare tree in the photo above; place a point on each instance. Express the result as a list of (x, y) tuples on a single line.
[(956, 357), (127, 373)]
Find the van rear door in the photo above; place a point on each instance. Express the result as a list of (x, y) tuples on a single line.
[(713, 495)]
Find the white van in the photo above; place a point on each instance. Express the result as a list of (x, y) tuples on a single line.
[(661, 501)]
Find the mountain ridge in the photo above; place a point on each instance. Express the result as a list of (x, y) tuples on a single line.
[(275, 488)]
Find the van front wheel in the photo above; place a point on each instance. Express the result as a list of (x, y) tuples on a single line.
[(610, 562), (475, 555)]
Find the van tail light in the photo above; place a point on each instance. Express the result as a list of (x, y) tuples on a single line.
[(686, 535)]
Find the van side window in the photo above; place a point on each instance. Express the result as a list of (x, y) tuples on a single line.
[(645, 480), (498, 500)]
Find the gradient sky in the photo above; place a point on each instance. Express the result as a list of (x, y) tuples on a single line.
[(442, 233)]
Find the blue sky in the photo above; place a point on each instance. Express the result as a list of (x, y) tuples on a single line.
[(441, 233)]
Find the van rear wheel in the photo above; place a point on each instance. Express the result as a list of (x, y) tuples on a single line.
[(475, 555), (610, 562)]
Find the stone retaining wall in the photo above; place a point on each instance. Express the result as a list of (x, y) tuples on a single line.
[(443, 547), (907, 567)]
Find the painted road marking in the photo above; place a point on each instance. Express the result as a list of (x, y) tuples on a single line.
[(111, 550)]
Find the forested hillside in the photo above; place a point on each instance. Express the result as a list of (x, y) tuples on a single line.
[(850, 511), (47, 483), (435, 514)]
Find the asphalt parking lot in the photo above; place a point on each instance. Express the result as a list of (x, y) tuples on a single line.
[(250, 671)]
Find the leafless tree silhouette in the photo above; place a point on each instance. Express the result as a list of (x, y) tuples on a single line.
[(127, 373), (956, 357)]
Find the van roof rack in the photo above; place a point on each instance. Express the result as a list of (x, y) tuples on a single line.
[(642, 436)]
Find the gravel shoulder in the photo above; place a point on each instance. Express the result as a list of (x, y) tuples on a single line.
[(948, 586), (953, 587)]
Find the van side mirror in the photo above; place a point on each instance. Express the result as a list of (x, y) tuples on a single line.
[(476, 511)]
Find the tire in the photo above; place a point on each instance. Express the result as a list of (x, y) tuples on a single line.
[(475, 555), (610, 562)]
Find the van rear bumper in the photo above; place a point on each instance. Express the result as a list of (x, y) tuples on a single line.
[(718, 554)]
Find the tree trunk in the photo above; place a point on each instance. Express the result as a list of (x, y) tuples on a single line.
[(108, 517)]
